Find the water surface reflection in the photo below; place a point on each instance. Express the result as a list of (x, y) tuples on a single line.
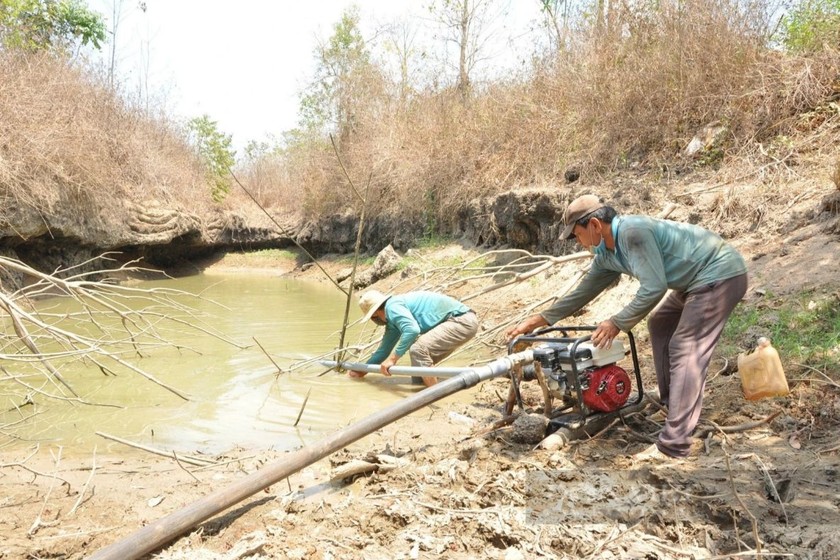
[(236, 396)]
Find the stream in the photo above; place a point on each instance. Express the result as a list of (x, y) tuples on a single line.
[(237, 396)]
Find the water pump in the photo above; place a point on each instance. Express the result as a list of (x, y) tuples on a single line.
[(604, 386), (587, 380)]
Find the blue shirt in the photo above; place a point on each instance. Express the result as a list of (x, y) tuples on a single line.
[(662, 255), (411, 314)]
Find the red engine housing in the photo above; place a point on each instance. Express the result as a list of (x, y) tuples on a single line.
[(607, 388)]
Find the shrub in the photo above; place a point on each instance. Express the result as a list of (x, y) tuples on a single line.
[(68, 137), (811, 25)]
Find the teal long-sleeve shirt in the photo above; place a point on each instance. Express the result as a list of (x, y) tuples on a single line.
[(662, 255), (411, 314)]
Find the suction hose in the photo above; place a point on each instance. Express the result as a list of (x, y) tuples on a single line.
[(399, 370), (161, 532)]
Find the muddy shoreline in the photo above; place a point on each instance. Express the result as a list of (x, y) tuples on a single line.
[(445, 484)]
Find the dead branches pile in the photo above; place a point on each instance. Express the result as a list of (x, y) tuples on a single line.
[(55, 324)]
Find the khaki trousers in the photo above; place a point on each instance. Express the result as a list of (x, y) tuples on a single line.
[(435, 345), (684, 330)]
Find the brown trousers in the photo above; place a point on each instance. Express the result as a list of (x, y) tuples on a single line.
[(684, 330)]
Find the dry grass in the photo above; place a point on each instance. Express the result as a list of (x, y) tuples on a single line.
[(632, 93), (68, 140), (835, 176)]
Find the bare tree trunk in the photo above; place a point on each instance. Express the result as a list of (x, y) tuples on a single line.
[(463, 74), (599, 16), (402, 40), (116, 16), (551, 9)]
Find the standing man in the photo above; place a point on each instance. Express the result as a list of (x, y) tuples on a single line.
[(427, 325), (707, 276)]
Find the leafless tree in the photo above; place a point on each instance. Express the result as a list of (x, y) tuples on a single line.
[(468, 24), (400, 41), (556, 16)]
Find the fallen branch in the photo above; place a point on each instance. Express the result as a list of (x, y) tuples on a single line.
[(826, 378), (111, 321), (192, 461), (506, 421), (753, 520), (521, 277), (600, 432), (81, 499), (23, 334), (738, 427), (614, 535), (267, 355), (302, 407), (183, 468), (38, 523), (22, 465), (769, 483)]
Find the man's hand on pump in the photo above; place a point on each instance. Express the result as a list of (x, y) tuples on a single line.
[(604, 334), (527, 325)]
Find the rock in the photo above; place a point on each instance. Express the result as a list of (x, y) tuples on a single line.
[(706, 138), (343, 274), (386, 263), (529, 428), (530, 219), (458, 418)]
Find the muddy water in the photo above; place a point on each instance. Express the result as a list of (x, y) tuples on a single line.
[(236, 395)]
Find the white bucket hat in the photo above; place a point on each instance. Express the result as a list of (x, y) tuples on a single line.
[(370, 302)]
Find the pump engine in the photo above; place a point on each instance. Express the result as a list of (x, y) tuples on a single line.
[(603, 385)]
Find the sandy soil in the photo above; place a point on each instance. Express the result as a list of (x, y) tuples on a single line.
[(449, 481)]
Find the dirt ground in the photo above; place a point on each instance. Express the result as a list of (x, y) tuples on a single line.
[(449, 481)]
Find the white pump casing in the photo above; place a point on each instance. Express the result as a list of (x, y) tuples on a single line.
[(600, 356)]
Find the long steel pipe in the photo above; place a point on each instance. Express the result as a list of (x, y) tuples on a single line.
[(161, 532), (398, 370)]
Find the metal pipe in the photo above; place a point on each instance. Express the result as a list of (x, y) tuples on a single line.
[(595, 423), (161, 532), (398, 370)]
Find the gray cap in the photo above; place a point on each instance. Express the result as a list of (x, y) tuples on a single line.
[(579, 208)]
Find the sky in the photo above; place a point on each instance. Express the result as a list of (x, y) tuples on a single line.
[(245, 63)]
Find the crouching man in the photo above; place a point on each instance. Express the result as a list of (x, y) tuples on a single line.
[(427, 325)]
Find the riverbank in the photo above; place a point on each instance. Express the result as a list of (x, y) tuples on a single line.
[(444, 483)]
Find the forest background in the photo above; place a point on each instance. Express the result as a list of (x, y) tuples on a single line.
[(618, 86)]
